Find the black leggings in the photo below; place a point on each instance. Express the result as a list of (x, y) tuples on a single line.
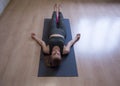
[(58, 25)]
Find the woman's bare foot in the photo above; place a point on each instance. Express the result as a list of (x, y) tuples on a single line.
[(59, 7), (55, 7)]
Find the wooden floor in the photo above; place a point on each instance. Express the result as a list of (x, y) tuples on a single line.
[(97, 53)]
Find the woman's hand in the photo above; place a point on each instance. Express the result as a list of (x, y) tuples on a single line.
[(77, 36), (33, 35)]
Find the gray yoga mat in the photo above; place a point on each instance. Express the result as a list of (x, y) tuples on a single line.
[(68, 65)]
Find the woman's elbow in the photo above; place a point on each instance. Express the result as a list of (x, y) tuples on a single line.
[(66, 51), (45, 51)]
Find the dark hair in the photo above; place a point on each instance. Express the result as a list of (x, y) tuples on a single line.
[(55, 62), (52, 62)]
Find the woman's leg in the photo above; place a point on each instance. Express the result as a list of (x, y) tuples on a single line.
[(61, 18), (54, 17), (61, 22), (53, 24), (53, 20)]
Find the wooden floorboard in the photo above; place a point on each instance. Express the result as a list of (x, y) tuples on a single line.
[(97, 53)]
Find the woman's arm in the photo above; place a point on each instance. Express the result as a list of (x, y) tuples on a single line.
[(41, 43), (66, 49)]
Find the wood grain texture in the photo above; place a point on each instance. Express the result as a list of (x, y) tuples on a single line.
[(97, 53)]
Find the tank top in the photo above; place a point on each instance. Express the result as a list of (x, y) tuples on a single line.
[(56, 41)]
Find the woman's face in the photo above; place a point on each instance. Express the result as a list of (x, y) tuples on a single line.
[(56, 53), (56, 58)]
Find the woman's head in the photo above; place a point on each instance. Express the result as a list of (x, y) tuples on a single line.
[(55, 57)]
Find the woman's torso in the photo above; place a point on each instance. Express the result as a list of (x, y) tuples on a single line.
[(56, 41)]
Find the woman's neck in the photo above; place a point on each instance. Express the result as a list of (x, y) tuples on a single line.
[(56, 48)]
